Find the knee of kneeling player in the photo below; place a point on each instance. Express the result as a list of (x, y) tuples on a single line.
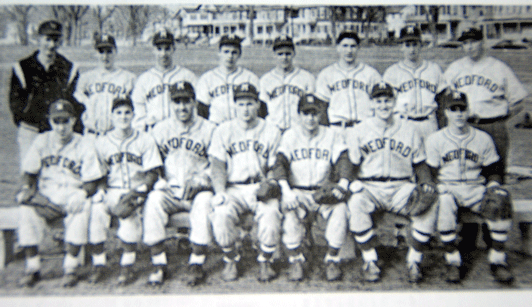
[(497, 212)]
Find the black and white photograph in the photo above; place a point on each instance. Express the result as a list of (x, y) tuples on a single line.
[(238, 154)]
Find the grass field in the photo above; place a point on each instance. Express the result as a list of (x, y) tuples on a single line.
[(259, 61)]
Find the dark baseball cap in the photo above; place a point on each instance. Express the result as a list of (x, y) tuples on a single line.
[(246, 90), (231, 40), (283, 41), (50, 28), (122, 101), (449, 98), (163, 37), (382, 89), (309, 102), (105, 41), (410, 33), (61, 108), (348, 34), (182, 89), (471, 33)]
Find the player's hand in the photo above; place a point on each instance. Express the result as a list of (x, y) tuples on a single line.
[(219, 199), (339, 193), (77, 201), (428, 188), (24, 195), (289, 200)]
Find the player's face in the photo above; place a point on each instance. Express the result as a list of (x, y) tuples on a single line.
[(48, 44), (473, 48), (184, 108), (229, 55), (383, 106), (122, 117), (247, 109), (164, 54), (457, 116), (309, 119), (106, 56), (63, 127), (411, 50), (284, 57), (347, 50)]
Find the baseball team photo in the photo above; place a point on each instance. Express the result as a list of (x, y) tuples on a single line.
[(244, 149)]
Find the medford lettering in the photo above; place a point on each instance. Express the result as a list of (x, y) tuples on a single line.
[(461, 153), (380, 143), (476, 80), (156, 90), (243, 146), (63, 162), (222, 90), (119, 158), (291, 89), (191, 145), (348, 83), (309, 153), (111, 88), (412, 84)]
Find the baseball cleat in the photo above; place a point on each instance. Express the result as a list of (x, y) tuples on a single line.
[(196, 275), (332, 271), (371, 271), (157, 277), (29, 280), (501, 273), (296, 272), (266, 273), (230, 271), (126, 276), (69, 280), (453, 274), (414, 273), (97, 274)]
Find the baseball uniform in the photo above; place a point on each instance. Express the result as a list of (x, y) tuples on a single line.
[(215, 89)]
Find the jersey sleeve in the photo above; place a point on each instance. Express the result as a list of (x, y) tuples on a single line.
[(339, 146), (100, 147), (32, 161), (218, 149), (80, 93), (91, 168), (375, 78), (450, 74), (130, 84), (353, 146), (311, 85), (322, 89), (515, 91), (274, 148), (418, 153), (442, 82), (254, 79), (151, 157), (490, 152), (202, 89), (263, 89), (432, 151), (138, 96)]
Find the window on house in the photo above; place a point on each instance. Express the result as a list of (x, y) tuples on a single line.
[(259, 29), (233, 29), (226, 29), (217, 30), (269, 29)]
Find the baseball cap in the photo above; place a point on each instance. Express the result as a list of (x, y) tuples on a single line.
[(231, 40), (61, 108), (122, 101), (283, 41), (163, 37), (182, 89), (105, 41), (309, 102), (449, 98), (471, 33), (348, 34), (246, 90), (410, 33), (382, 89), (50, 28)]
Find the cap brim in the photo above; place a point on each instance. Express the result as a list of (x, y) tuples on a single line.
[(382, 93), (180, 96), (246, 96), (105, 45), (60, 114), (455, 103)]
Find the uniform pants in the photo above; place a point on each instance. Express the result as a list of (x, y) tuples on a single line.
[(499, 132)]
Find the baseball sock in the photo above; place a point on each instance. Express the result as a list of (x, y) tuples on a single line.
[(198, 254), (453, 258), (496, 257), (33, 264), (128, 258), (159, 259), (369, 255), (230, 254), (295, 255), (70, 263), (99, 259), (414, 256)]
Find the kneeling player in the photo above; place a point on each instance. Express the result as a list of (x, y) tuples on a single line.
[(242, 152), (183, 140), (60, 172), (464, 159), (132, 160), (307, 155), (387, 152)]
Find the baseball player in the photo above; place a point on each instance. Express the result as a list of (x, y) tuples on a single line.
[(282, 87), (39, 80), (346, 85), (215, 88), (97, 88), (416, 82), (493, 90), (183, 140), (132, 161), (150, 94), (242, 152), (60, 172), (467, 166), (305, 160), (387, 152)]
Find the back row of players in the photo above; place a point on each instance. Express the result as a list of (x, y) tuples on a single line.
[(232, 159)]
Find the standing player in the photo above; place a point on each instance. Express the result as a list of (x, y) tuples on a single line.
[(346, 85), (183, 140), (307, 157), (388, 151), (97, 88), (493, 90), (468, 170), (132, 161), (242, 152), (150, 94), (60, 172), (215, 88), (282, 87), (416, 81)]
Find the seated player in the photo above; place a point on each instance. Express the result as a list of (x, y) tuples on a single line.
[(132, 161), (242, 152), (308, 154), (469, 171), (183, 141), (61, 172), (387, 152)]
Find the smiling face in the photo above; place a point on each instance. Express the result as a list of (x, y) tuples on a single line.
[(473, 48), (164, 55), (106, 57), (183, 108), (284, 57), (229, 56), (63, 126), (347, 50), (122, 117), (383, 106), (411, 50), (48, 44), (247, 109)]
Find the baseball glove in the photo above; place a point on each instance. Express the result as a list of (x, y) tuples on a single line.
[(421, 199), (330, 194), (128, 203), (195, 185), (269, 189), (496, 204), (45, 208)]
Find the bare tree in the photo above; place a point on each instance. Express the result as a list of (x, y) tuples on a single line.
[(432, 12), (369, 14), (102, 14), (136, 17), (20, 15), (73, 14)]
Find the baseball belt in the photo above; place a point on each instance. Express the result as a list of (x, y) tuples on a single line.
[(384, 179), (344, 124), (247, 181), (418, 119)]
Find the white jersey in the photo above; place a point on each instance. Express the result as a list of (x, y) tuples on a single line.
[(128, 160), (62, 166), (184, 149), (491, 86), (249, 154), (385, 152), (215, 89), (416, 87), (311, 158), (96, 90), (151, 97), (281, 93), (347, 91), (460, 158)]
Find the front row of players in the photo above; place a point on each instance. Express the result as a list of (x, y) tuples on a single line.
[(216, 173)]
